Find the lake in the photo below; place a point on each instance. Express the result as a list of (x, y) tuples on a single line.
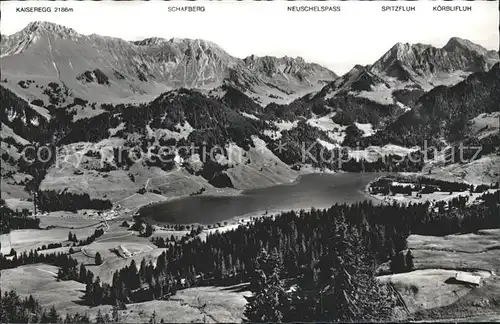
[(312, 190)]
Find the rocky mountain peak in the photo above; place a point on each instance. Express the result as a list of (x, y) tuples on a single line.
[(49, 29), (412, 62), (199, 43), (33, 32), (271, 65), (151, 41), (356, 68), (460, 44)]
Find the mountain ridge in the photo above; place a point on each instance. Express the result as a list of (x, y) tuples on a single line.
[(151, 65), (409, 62)]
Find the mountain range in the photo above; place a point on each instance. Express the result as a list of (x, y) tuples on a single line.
[(88, 95), (104, 68)]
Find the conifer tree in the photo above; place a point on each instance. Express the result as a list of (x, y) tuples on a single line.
[(409, 261), (398, 263), (53, 316), (99, 319), (152, 319), (269, 300), (350, 291), (116, 315), (98, 258)]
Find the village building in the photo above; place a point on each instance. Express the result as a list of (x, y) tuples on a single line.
[(468, 278)]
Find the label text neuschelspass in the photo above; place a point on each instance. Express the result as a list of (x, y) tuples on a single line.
[(313, 8)]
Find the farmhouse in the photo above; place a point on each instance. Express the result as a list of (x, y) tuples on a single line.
[(123, 251), (468, 278)]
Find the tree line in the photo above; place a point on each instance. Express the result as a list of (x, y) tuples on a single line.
[(15, 309), (50, 200), (32, 257), (62, 260), (412, 162), (385, 185), (12, 220)]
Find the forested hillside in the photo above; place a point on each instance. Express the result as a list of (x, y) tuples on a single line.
[(443, 113), (301, 240)]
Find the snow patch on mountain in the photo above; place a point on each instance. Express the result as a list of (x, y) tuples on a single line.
[(6, 132), (181, 131), (217, 93), (251, 116), (113, 131), (42, 111), (379, 93), (402, 106), (373, 153), (282, 126), (85, 112), (274, 135), (327, 145), (485, 124), (286, 125), (367, 129), (325, 123)]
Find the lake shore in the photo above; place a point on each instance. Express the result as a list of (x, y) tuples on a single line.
[(319, 190)]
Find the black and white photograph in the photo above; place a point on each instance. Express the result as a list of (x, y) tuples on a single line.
[(249, 161)]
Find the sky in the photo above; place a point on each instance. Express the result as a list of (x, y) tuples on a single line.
[(359, 34)]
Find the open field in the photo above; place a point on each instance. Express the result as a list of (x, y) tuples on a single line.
[(136, 200), (193, 305), (106, 270), (210, 304), (430, 259), (14, 194), (202, 304), (19, 204), (424, 289), (28, 239), (140, 247), (106, 249), (166, 233), (466, 251), (428, 292), (480, 304), (432, 197), (67, 219), (484, 240), (40, 280), (222, 304)]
